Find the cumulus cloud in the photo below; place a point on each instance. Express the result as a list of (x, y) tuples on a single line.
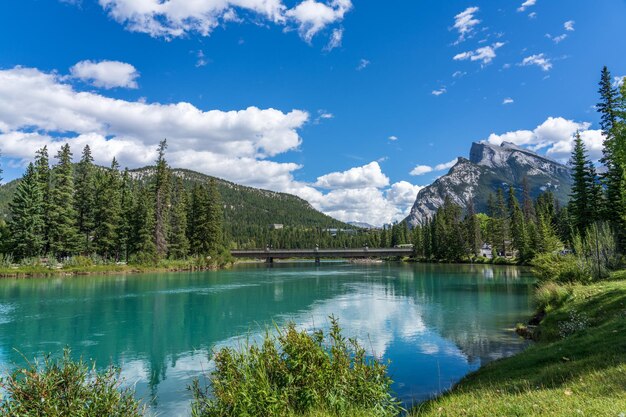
[(393, 138), (369, 175), (106, 74), (569, 25), (508, 100), (555, 137), (42, 109), (465, 23), (439, 92), (619, 81), (485, 55), (557, 39), (539, 60), (526, 5), (176, 18), (425, 169)]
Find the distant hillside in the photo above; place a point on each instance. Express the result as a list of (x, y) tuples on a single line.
[(243, 206), (491, 167)]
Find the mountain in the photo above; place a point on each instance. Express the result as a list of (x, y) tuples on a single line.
[(491, 167), (362, 225), (244, 207)]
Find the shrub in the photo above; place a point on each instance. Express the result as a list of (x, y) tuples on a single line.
[(78, 262), (298, 373), (551, 295), (66, 388), (560, 268)]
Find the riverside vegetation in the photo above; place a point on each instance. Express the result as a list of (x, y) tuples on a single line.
[(577, 366)]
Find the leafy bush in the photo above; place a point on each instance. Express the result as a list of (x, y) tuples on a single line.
[(296, 373), (551, 295), (560, 268), (78, 262), (66, 388)]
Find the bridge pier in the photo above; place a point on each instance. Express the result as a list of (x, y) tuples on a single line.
[(318, 260), (269, 260)]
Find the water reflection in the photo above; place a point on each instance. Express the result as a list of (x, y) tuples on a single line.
[(434, 322)]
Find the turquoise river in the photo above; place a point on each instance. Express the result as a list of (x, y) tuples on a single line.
[(435, 323)]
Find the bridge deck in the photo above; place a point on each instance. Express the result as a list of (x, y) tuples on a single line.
[(322, 253)]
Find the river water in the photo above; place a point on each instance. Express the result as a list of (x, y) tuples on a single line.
[(435, 323)]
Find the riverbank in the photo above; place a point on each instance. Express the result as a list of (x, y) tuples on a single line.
[(577, 366), (42, 270)]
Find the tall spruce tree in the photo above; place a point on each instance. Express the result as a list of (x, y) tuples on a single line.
[(26, 224), (127, 204), (519, 234), (472, 224), (215, 218), (527, 202), (108, 213), (64, 235), (85, 198), (44, 177), (161, 201), (581, 205), (144, 248), (178, 242)]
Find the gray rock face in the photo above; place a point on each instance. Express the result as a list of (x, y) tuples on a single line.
[(491, 167)]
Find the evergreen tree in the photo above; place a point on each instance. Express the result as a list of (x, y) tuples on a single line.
[(178, 243), (161, 199), (527, 202), (128, 206), (26, 224), (215, 217), (519, 234), (581, 205), (472, 224), (44, 176), (85, 198), (64, 235), (108, 213), (143, 224)]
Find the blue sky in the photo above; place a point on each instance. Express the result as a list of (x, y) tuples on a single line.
[(337, 101)]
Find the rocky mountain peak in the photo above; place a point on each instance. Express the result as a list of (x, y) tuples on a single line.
[(488, 168)]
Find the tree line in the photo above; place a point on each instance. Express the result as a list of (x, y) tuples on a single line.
[(595, 213), (70, 209)]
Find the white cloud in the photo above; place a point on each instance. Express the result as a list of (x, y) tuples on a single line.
[(363, 63), (619, 81), (403, 194), (335, 39), (177, 18), (557, 39), (393, 138), (201, 60), (465, 23), (526, 4), (532, 15), (458, 74), (106, 74), (425, 169), (569, 25), (555, 137), (38, 109), (486, 54), (539, 60), (508, 100), (439, 92), (369, 175)]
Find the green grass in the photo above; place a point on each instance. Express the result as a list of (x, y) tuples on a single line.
[(578, 367), (41, 270)]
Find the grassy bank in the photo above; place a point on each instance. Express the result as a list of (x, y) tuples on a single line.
[(88, 268), (577, 367)]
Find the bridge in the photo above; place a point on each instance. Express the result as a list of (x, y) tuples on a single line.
[(270, 254)]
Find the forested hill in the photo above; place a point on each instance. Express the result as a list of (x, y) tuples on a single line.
[(244, 207)]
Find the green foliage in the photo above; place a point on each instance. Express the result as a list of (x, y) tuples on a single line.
[(26, 226), (296, 373), (63, 387), (551, 295), (560, 268)]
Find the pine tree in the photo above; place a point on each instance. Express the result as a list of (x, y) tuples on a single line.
[(64, 236), (128, 205), (161, 201), (44, 177), (26, 224), (143, 222), (108, 213), (85, 198), (215, 218), (519, 234), (178, 243), (581, 205), (472, 225), (527, 202)]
